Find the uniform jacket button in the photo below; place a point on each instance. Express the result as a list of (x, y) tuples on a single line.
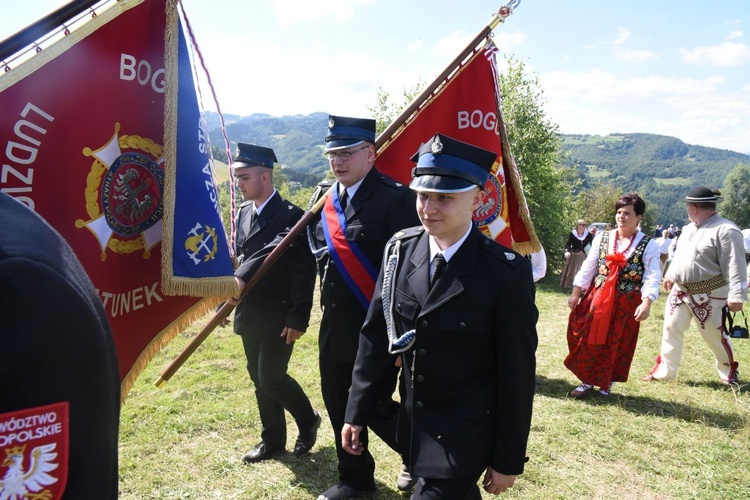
[(333, 284), (422, 352), (424, 323), (333, 306), (462, 324), (420, 378), (419, 404)]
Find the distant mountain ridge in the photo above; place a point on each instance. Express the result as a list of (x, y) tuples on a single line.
[(660, 168)]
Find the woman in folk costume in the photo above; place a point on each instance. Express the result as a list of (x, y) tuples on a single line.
[(578, 239), (612, 294)]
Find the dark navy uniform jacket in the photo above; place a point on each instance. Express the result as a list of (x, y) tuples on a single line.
[(284, 295), (380, 208), (470, 373), (56, 348)]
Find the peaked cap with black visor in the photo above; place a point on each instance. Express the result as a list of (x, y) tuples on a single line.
[(447, 165), (345, 132), (250, 155)]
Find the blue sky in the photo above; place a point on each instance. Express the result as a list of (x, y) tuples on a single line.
[(671, 67)]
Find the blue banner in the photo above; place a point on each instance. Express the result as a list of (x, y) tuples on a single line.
[(197, 259)]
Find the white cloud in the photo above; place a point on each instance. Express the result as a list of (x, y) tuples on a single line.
[(622, 35), (724, 55), (452, 45), (637, 56), (295, 11), (695, 110), (506, 41), (733, 35), (312, 78)]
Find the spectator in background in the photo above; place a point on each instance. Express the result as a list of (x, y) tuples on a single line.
[(664, 241), (708, 272), (578, 238), (612, 294), (59, 364), (746, 238), (538, 264)]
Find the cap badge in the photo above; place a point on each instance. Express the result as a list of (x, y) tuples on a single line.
[(510, 256), (331, 123), (437, 146)]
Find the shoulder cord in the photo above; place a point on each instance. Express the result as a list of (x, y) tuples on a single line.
[(395, 344), (317, 252)]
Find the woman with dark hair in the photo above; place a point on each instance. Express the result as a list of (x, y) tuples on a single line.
[(578, 239), (612, 294)]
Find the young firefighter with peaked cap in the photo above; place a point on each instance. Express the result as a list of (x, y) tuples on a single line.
[(465, 331), (276, 311), (364, 209)]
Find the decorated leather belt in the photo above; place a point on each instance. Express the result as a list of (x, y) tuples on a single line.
[(705, 286)]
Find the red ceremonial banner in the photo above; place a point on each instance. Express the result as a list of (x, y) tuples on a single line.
[(466, 107), (82, 133)]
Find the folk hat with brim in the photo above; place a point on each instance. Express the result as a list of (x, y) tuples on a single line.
[(250, 155), (702, 194), (447, 165), (345, 132)]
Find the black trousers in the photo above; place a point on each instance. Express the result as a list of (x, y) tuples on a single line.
[(447, 489), (357, 471), (275, 390)]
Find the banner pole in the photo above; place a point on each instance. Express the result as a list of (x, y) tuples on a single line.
[(31, 33), (227, 308), (497, 18)]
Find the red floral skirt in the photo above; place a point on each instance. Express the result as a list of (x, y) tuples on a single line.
[(599, 365)]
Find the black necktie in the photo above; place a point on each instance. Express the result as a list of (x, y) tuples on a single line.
[(438, 264), (343, 200), (253, 217)]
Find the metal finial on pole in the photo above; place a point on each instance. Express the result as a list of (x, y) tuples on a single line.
[(503, 12)]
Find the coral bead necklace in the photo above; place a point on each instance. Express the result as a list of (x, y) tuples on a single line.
[(617, 242)]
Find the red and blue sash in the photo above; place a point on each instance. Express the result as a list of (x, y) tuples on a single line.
[(357, 271)]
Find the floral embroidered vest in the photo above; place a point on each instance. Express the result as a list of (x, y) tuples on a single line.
[(631, 276)]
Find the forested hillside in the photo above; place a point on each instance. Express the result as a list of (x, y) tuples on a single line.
[(660, 168), (297, 140)]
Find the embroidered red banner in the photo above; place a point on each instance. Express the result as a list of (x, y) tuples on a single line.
[(82, 133), (466, 107)]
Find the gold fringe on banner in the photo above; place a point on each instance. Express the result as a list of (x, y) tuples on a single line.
[(524, 247), (196, 312), (222, 286)]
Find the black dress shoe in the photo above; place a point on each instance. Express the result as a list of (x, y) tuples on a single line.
[(341, 492), (262, 451), (307, 438)]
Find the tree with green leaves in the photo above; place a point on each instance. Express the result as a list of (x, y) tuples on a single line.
[(535, 145), (736, 193), (598, 205), (386, 110)]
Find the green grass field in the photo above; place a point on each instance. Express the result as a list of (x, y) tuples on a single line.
[(684, 439)]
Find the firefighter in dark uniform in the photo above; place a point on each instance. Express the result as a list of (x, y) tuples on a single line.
[(363, 210), (276, 311), (60, 397), (462, 316)]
